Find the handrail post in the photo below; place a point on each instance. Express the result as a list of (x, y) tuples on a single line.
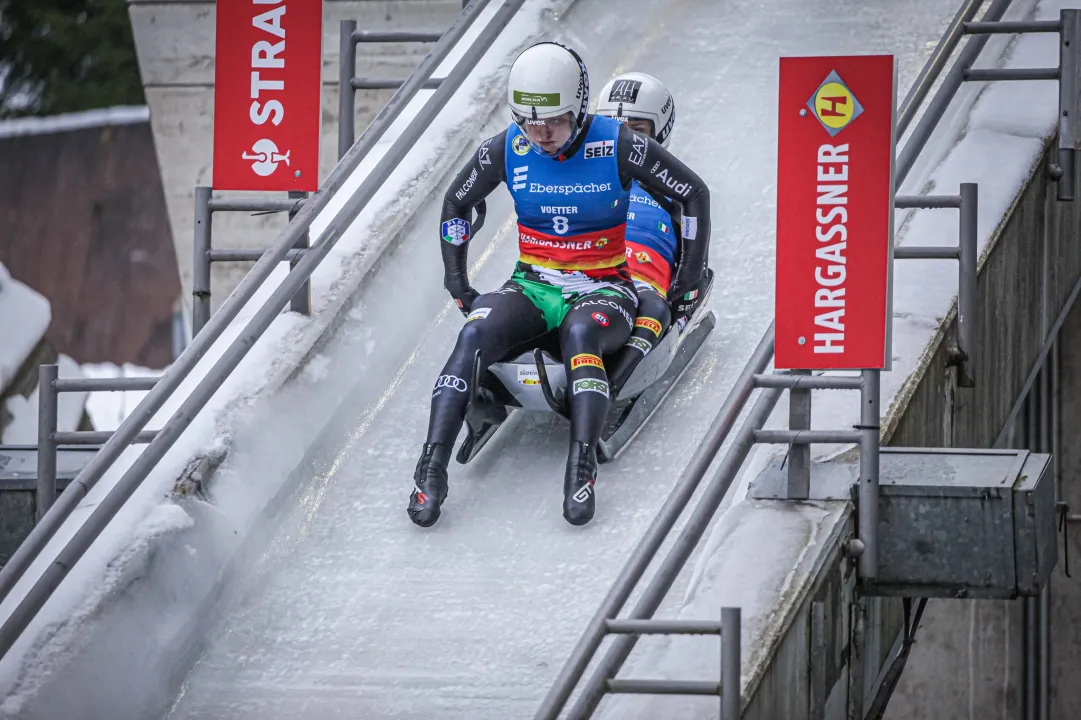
[(47, 412), (200, 285), (799, 454), (1069, 104), (730, 663), (967, 305), (347, 69), (869, 463), (301, 301)]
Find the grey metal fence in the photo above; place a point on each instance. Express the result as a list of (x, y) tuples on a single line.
[(349, 83), (42, 589), (800, 383), (727, 688), (50, 385), (206, 254)]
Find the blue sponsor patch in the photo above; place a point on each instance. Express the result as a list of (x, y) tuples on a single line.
[(456, 231)]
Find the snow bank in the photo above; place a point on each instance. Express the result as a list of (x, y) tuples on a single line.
[(23, 429), (24, 318), (119, 115), (285, 346), (108, 409), (993, 134)]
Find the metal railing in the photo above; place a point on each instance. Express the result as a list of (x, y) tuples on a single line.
[(772, 385), (727, 688), (205, 254), (963, 350), (349, 83), (50, 385), (42, 589)]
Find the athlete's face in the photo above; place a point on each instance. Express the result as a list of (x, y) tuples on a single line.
[(641, 125), (549, 134)]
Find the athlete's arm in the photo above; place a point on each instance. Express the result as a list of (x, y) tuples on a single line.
[(481, 175), (643, 159)]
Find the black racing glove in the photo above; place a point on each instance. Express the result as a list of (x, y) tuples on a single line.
[(463, 293), (685, 296)]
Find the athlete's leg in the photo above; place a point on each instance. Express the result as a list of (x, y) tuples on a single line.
[(654, 316), (598, 323), (499, 321)]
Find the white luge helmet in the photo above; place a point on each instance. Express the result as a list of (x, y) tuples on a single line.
[(547, 82), (637, 95)]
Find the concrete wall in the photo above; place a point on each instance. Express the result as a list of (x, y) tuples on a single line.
[(965, 661), (175, 40)]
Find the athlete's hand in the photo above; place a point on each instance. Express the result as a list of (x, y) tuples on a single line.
[(463, 293), (685, 296)]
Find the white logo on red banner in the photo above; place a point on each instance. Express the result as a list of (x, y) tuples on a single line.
[(266, 156)]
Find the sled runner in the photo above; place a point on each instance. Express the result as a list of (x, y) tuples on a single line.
[(536, 380)]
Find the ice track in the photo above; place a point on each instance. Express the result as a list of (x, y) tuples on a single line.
[(354, 612)]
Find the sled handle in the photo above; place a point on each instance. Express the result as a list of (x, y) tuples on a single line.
[(549, 397), (474, 386)]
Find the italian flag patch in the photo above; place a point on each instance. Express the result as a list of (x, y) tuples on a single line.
[(663, 228)]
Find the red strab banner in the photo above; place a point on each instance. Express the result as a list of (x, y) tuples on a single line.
[(835, 212), (267, 93)]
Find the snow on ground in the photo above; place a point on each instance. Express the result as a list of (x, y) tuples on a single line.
[(996, 143), (108, 409), (23, 429), (282, 348), (24, 318)]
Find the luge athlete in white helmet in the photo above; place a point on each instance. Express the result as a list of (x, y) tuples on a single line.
[(653, 221), (569, 174)]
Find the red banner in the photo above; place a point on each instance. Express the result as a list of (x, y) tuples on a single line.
[(835, 212), (267, 94)]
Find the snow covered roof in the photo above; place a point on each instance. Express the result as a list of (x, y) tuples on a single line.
[(119, 115), (24, 317)]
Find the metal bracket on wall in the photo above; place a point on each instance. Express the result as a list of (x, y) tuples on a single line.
[(963, 350), (799, 384)]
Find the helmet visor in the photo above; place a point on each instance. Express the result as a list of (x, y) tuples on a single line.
[(549, 136)]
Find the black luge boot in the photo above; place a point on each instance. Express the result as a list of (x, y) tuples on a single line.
[(430, 481), (579, 502)]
